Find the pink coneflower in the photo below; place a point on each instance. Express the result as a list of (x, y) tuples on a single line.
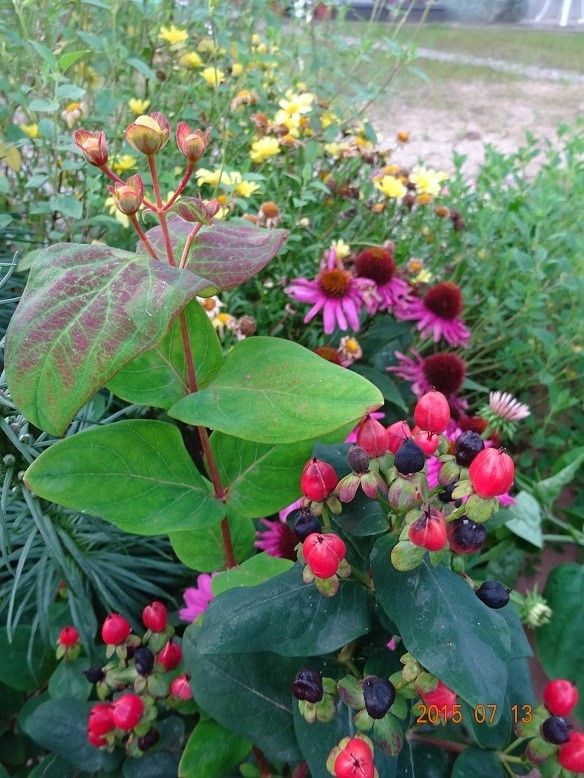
[(506, 407), (438, 314), (335, 291), (377, 264), (277, 539), (444, 372), (197, 598)]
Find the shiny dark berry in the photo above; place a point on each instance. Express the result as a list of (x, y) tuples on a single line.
[(556, 730), (308, 685), (358, 460), (446, 494), (493, 594), (466, 536), (379, 695), (409, 458), (144, 659), (94, 674), (149, 740), (468, 445), (305, 524)]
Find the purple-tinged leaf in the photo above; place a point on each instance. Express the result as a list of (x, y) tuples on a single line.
[(87, 310)]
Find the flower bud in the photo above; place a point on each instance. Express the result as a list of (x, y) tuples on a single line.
[(129, 196), (192, 143), (148, 133), (93, 145)]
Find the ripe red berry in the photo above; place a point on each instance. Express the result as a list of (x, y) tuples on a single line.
[(323, 553), (318, 480), (115, 629), (170, 656), (96, 740), (432, 412), (491, 472), (100, 719), (429, 531), (68, 636), (442, 697), (355, 760), (571, 754), (128, 711), (560, 697), (396, 434), (181, 687), (372, 437), (427, 441), (155, 616)]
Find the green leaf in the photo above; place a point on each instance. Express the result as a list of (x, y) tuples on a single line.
[(418, 760), (202, 549), (384, 383), (453, 635), (135, 473), (254, 571), (476, 763), (87, 311), (524, 519), (286, 616), (25, 665), (68, 205), (52, 767), (70, 58), (142, 67), (61, 727), (159, 377), (43, 106), (274, 391), (362, 517), (316, 741), (248, 694), (212, 751), (68, 680), (45, 53), (550, 488)]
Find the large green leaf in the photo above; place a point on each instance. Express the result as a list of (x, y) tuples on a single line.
[(446, 627), (159, 376), (87, 311), (286, 616), (136, 474), (203, 549), (164, 759), (254, 571), (476, 763), (524, 519), (550, 488), (211, 751), (418, 760), (68, 680), (271, 390), (248, 694), (26, 663)]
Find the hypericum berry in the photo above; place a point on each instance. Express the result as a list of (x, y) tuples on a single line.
[(94, 674), (355, 760), (560, 697), (493, 594), (358, 459), (555, 730), (491, 472), (396, 434), (468, 445), (181, 687), (427, 441), (308, 685), (96, 740), (149, 740), (318, 480), (372, 437), (144, 660), (127, 711), (100, 719), (432, 412), (323, 552), (409, 458), (170, 655), (445, 495), (305, 524), (466, 536), (68, 636), (571, 754), (429, 531), (379, 695), (155, 616), (442, 697), (115, 629)]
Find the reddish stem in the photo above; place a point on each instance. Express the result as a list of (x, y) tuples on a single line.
[(181, 186), (142, 235), (265, 771), (190, 238), (301, 771), (160, 210)]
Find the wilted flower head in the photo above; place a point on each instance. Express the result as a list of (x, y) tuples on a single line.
[(72, 113), (277, 539), (349, 350), (506, 407)]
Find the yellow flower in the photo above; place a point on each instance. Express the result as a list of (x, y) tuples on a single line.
[(173, 35), (264, 148), (333, 149), (112, 207), (247, 188), (212, 177), (423, 277), (30, 130), (427, 180), (138, 106), (290, 121), (190, 59), (224, 321), (297, 103), (342, 249), (213, 76), (236, 69), (255, 39), (72, 113), (122, 163), (391, 187), (328, 118)]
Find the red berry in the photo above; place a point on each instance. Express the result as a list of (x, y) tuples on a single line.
[(429, 531), (427, 441), (560, 697), (128, 710), (355, 760), (432, 412), (96, 740), (100, 719), (491, 472), (115, 629), (372, 437), (396, 434), (323, 553), (170, 656), (442, 697), (318, 480), (68, 636), (571, 754), (155, 616), (181, 687)]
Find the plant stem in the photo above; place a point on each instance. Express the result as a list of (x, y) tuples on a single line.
[(160, 210), (265, 771), (190, 237), (142, 235), (362, 577), (182, 184)]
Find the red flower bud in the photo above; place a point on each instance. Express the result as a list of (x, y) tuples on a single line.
[(432, 412), (155, 616), (68, 636), (127, 711), (429, 531), (427, 441), (318, 480), (323, 553), (170, 656), (372, 437), (93, 145), (491, 472), (192, 143), (100, 719), (128, 195), (355, 760), (181, 687), (571, 754), (560, 697), (96, 740), (115, 629), (396, 434), (148, 133)]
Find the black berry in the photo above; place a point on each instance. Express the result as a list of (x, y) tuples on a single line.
[(308, 685), (148, 740), (493, 594), (144, 659), (409, 458), (466, 536), (379, 695), (94, 674), (305, 524), (446, 494), (468, 445), (556, 730), (358, 460)]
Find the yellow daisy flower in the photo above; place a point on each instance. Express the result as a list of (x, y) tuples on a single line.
[(391, 187), (264, 148), (138, 106), (428, 180), (190, 59), (213, 76), (173, 35), (122, 163)]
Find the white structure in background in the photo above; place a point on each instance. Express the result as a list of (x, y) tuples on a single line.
[(565, 12)]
